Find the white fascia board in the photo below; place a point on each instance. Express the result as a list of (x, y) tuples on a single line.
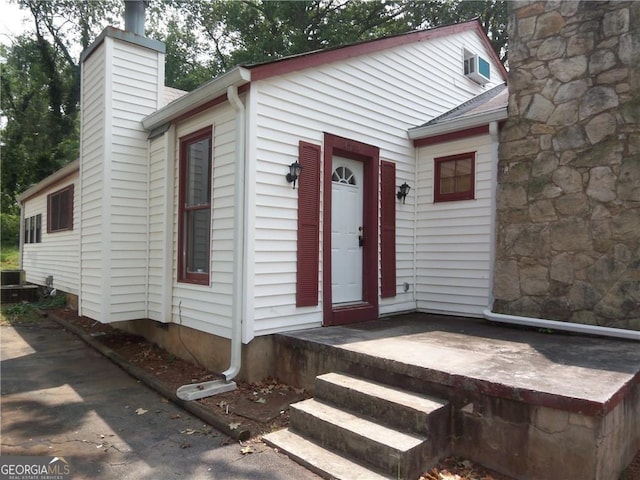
[(50, 180), (460, 123), (204, 93)]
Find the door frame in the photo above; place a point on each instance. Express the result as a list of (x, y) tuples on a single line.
[(369, 155)]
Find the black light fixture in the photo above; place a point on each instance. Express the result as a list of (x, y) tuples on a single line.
[(294, 173), (403, 192)]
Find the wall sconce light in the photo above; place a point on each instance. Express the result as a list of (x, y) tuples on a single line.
[(294, 173), (403, 192)]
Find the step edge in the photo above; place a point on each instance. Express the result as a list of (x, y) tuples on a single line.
[(316, 467), (415, 439), (438, 402)]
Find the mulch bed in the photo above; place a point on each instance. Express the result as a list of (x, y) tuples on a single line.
[(257, 408)]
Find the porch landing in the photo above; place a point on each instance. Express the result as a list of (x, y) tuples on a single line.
[(529, 404)]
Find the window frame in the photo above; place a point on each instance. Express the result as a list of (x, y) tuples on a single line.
[(185, 276), (33, 229), (468, 194), (55, 214)]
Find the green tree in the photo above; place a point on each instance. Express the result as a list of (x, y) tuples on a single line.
[(492, 15), (206, 38), (40, 134), (40, 84)]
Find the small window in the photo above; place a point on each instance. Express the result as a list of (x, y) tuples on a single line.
[(33, 229), (195, 207), (343, 175), (60, 210), (455, 178)]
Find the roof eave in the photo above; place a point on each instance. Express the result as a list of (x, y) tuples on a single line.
[(461, 123), (55, 177), (212, 89)]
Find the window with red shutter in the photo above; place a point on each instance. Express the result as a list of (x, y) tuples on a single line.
[(388, 228), (308, 225)]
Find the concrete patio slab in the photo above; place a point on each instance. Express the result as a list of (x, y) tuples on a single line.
[(527, 403), (576, 373)]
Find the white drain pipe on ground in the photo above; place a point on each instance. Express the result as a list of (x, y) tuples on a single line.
[(562, 326), (195, 391)]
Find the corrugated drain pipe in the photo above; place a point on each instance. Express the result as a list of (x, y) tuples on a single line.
[(206, 389), (562, 326)]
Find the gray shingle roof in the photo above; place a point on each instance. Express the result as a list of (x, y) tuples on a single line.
[(493, 99)]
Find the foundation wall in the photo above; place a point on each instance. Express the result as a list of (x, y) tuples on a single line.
[(210, 351)]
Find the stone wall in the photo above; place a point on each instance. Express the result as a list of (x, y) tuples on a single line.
[(568, 200)]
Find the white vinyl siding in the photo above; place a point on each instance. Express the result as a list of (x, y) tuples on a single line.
[(208, 307), (92, 144), (57, 253), (135, 87), (158, 183), (453, 248), (372, 99), (121, 85)]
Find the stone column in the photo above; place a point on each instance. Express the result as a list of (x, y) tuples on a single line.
[(568, 197)]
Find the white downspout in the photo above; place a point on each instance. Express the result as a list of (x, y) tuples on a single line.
[(495, 145), (563, 326), (238, 235), (195, 391)]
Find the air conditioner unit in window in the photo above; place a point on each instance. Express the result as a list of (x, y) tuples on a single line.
[(477, 69)]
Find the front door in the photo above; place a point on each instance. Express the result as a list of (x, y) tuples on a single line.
[(347, 235), (351, 175)]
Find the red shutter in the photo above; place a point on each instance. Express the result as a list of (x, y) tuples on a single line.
[(388, 224), (308, 225)]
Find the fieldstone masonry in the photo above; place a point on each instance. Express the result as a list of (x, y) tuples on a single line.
[(568, 200)]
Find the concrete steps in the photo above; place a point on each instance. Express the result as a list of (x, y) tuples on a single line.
[(355, 428)]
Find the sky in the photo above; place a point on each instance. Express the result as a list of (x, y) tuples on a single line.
[(11, 20)]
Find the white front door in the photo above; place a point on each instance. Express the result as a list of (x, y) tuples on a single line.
[(346, 230)]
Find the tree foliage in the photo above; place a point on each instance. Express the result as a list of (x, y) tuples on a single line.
[(206, 38), (41, 132), (40, 84), (40, 79)]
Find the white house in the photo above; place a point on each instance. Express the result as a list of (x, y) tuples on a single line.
[(183, 213)]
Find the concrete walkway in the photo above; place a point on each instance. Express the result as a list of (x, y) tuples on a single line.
[(61, 398)]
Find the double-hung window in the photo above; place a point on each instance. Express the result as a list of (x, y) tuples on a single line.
[(455, 177), (195, 207), (33, 229), (60, 210)]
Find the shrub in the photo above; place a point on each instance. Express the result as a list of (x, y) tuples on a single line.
[(10, 229)]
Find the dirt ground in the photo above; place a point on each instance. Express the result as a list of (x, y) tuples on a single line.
[(259, 408)]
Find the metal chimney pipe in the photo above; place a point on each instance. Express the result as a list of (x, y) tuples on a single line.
[(134, 11)]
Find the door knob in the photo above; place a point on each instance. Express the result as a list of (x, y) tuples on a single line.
[(360, 238)]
